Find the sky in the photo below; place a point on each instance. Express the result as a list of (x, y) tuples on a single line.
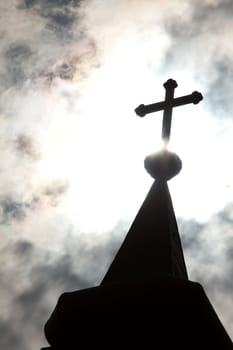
[(72, 148)]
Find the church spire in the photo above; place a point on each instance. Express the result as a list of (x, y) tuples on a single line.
[(152, 245), (145, 300)]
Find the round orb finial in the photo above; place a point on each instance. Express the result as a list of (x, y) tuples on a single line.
[(163, 165)]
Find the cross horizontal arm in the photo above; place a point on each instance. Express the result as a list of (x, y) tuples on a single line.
[(195, 98)]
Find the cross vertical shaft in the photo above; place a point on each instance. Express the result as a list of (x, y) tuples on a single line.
[(170, 86)]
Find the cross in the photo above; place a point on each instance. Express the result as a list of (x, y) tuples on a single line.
[(167, 106)]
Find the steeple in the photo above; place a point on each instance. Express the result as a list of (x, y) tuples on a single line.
[(152, 245), (145, 299)]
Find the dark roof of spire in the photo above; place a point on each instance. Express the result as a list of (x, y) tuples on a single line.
[(152, 245), (145, 298)]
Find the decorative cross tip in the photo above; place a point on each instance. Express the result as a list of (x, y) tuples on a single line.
[(141, 110), (197, 97), (170, 83)]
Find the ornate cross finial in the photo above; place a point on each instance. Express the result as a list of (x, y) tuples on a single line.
[(167, 106)]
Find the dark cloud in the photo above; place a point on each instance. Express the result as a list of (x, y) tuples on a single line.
[(190, 232), (198, 45), (10, 337), (26, 146), (226, 217), (49, 274), (48, 281), (17, 53), (64, 70), (17, 58), (60, 14), (55, 191), (11, 210), (24, 248), (38, 277), (204, 11), (15, 210), (59, 273), (197, 243), (184, 34), (77, 65), (59, 20), (51, 3), (24, 64), (186, 29), (220, 90), (30, 3)]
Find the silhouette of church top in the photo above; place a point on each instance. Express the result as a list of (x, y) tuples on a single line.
[(145, 299)]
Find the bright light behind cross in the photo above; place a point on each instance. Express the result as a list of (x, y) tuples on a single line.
[(98, 147)]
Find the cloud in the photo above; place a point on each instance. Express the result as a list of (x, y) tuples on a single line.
[(59, 20), (74, 65), (59, 15), (55, 59), (14, 210), (11, 209), (42, 275), (17, 57), (9, 336), (51, 49), (220, 90), (25, 146), (54, 191), (208, 253), (50, 3), (37, 276), (200, 44)]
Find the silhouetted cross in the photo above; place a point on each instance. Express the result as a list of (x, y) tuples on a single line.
[(168, 105)]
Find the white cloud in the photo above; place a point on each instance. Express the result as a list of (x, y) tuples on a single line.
[(72, 149)]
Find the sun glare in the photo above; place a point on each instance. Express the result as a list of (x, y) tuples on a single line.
[(99, 146)]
